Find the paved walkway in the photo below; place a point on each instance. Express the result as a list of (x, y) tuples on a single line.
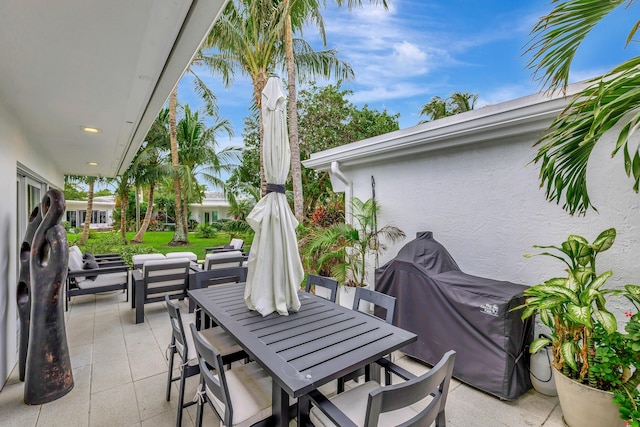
[(120, 372)]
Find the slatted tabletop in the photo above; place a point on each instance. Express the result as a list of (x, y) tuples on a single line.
[(321, 342)]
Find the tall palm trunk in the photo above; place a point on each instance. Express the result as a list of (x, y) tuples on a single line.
[(179, 235), (124, 207), (296, 171), (259, 83), (185, 212), (87, 219), (138, 238)]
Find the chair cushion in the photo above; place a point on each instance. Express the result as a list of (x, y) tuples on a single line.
[(353, 403), (250, 392), (236, 243), (105, 280), (75, 261), (140, 259), (189, 255), (215, 336)]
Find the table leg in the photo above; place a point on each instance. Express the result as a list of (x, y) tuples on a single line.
[(279, 405), (304, 406)]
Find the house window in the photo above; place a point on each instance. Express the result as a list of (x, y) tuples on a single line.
[(206, 217), (72, 218), (215, 216), (98, 217)]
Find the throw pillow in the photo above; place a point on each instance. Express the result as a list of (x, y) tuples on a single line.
[(90, 265)]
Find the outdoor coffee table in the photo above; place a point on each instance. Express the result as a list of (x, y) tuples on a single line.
[(321, 342)]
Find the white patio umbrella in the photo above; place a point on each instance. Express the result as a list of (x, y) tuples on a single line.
[(275, 270)]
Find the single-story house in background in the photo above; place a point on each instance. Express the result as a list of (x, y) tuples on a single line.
[(101, 214), (80, 85), (214, 206), (469, 180)]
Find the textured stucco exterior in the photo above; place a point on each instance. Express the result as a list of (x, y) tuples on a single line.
[(16, 150), (479, 194)]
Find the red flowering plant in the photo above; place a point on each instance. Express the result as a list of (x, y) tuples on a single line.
[(585, 341)]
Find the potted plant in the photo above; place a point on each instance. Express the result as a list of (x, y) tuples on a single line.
[(592, 360), (342, 249)]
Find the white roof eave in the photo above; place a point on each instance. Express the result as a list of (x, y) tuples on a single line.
[(528, 115)]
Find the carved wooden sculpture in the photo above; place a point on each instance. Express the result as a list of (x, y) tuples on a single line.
[(23, 293), (48, 374)]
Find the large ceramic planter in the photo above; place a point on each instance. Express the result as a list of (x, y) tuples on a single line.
[(584, 406)]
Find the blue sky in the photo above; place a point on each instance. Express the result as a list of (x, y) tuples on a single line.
[(421, 48)]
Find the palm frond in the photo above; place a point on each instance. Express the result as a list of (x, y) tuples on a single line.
[(565, 149), (557, 36)]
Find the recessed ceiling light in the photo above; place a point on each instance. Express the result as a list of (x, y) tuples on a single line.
[(92, 163), (90, 129)]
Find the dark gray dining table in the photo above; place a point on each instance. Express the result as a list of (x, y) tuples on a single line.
[(321, 342)]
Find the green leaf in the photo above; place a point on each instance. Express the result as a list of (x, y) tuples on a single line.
[(600, 280), (538, 344), (607, 320), (582, 275), (568, 353), (580, 315), (552, 290), (605, 240)]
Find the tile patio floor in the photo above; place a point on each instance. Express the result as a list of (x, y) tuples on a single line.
[(120, 370)]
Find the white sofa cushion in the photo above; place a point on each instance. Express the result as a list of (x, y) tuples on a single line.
[(105, 280)]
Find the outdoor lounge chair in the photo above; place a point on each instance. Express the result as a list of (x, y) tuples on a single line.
[(234, 245), (92, 277), (182, 345), (233, 258), (159, 278), (381, 302), (372, 405)]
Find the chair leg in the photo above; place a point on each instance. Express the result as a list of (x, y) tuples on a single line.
[(201, 403), (183, 380), (170, 373), (340, 385)]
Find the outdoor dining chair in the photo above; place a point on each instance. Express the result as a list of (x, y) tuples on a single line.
[(218, 276), (322, 282), (240, 396), (380, 301), (182, 345), (371, 405)]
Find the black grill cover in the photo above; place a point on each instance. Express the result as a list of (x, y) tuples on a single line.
[(451, 310)]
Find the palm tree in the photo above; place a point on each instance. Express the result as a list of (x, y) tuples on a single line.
[(457, 102), (300, 11), (462, 102), (435, 109), (151, 166), (180, 236), (248, 38), (565, 149), (198, 152), (90, 181)]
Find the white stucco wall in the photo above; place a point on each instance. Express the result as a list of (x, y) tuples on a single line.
[(15, 148), (485, 205)]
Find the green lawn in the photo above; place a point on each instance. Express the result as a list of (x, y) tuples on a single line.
[(158, 240)]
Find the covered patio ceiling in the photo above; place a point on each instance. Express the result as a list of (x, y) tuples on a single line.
[(106, 64)]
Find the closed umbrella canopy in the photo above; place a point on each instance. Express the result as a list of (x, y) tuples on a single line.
[(275, 270)]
